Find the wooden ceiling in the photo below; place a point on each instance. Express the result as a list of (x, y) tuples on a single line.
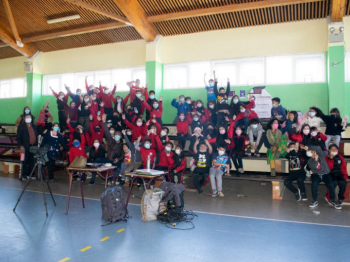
[(99, 22)]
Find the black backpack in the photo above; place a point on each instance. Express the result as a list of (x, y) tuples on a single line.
[(113, 204)]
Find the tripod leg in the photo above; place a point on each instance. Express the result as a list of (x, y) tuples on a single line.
[(42, 187), (81, 189), (24, 189), (48, 185)]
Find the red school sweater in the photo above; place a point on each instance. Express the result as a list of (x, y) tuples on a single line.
[(78, 151), (182, 127), (137, 130)]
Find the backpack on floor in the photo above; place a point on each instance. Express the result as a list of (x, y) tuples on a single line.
[(113, 204), (151, 205)]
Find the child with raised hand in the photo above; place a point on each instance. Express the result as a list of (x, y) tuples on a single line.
[(311, 117), (320, 172), (97, 131), (182, 107), (277, 110), (275, 142), (222, 106), (180, 163), (146, 151), (339, 173), (334, 126), (238, 144), (296, 172), (156, 110), (182, 130), (221, 166), (165, 157), (130, 114), (255, 132), (150, 98), (154, 131), (203, 163), (246, 114), (139, 128), (61, 100), (210, 88)]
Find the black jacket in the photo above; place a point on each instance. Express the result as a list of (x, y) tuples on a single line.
[(23, 135), (93, 155)]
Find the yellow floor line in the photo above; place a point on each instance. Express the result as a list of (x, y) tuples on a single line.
[(85, 248), (105, 238), (120, 230), (65, 259)]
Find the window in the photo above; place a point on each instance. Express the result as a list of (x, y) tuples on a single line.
[(310, 68), (224, 70), (16, 87), (107, 77), (251, 72), (347, 66), (279, 70)]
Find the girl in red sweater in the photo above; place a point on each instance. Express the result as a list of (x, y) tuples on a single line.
[(96, 131), (156, 110), (154, 131), (146, 151), (180, 163), (139, 128), (182, 130), (166, 156), (201, 111), (238, 145)]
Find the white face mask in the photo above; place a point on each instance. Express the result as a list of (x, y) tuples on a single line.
[(221, 152), (163, 133), (291, 149), (106, 91), (242, 110), (111, 131), (211, 106), (199, 105), (313, 133), (254, 126), (177, 151), (28, 120), (152, 131), (309, 154), (96, 144), (129, 133), (334, 153), (168, 148)]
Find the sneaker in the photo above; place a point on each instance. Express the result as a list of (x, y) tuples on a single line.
[(303, 197), (340, 201), (200, 191), (313, 204), (327, 200), (221, 194), (33, 177), (241, 170), (297, 195), (257, 154), (248, 154), (215, 193), (91, 183), (335, 205), (52, 180)]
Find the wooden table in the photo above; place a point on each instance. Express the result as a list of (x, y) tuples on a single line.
[(104, 172), (134, 176)]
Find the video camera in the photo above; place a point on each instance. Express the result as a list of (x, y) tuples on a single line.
[(40, 153)]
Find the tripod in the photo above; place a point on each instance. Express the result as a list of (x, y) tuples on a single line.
[(41, 174)]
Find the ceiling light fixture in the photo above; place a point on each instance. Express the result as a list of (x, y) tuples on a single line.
[(341, 29), (62, 19), (332, 30)]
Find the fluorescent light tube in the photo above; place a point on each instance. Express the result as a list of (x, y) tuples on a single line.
[(62, 19)]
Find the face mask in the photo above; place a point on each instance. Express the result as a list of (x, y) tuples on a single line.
[(211, 84), (111, 131), (222, 132), (86, 100), (306, 132), (106, 91), (93, 98), (334, 153), (97, 129), (98, 113), (56, 128), (128, 109), (275, 126), (202, 151), (235, 101), (46, 111), (312, 114), (61, 97), (137, 84), (151, 96), (273, 105), (291, 149), (119, 100), (72, 107), (129, 133), (309, 154), (182, 100), (199, 105), (242, 110), (96, 144), (139, 123), (28, 120), (27, 111), (168, 148), (238, 132), (254, 126), (222, 93), (177, 151), (148, 146), (188, 102), (313, 133), (195, 119), (109, 125), (78, 93), (211, 106), (117, 137), (163, 133), (138, 95), (155, 106), (221, 152), (182, 117), (76, 144)]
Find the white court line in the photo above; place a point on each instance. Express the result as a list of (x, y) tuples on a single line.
[(216, 214)]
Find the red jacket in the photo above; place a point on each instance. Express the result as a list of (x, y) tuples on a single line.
[(94, 115), (344, 171), (133, 92), (145, 153), (190, 119), (182, 127), (78, 151), (137, 130), (157, 112), (182, 165), (206, 113), (231, 129), (107, 98), (122, 103), (164, 160), (87, 137), (96, 135), (248, 112)]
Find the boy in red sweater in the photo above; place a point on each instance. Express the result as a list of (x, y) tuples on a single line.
[(139, 128), (166, 156), (156, 111), (154, 131), (106, 96), (246, 114), (182, 130), (97, 131), (180, 163), (146, 151)]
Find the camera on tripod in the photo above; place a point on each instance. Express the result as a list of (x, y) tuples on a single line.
[(40, 153)]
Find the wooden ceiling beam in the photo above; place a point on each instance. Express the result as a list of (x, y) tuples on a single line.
[(78, 31), (338, 10), (98, 10), (28, 50), (12, 22), (226, 9), (138, 18)]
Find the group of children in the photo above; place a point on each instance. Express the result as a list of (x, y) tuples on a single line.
[(217, 133)]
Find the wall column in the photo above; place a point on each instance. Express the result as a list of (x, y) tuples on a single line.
[(154, 66)]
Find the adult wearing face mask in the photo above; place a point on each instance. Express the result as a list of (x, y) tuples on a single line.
[(26, 137), (255, 132), (61, 100), (21, 119), (54, 141), (45, 119)]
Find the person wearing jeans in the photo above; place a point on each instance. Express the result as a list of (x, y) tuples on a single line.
[(255, 133), (220, 166)]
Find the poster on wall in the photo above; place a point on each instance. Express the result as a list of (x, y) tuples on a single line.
[(242, 94), (232, 94), (262, 102)]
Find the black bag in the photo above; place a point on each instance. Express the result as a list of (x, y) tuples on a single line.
[(113, 204)]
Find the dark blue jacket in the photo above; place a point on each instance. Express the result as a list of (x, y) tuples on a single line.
[(183, 108), (333, 125), (54, 143), (279, 111)]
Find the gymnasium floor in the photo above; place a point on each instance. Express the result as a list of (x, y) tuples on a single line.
[(249, 228)]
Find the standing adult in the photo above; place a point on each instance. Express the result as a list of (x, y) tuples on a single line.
[(21, 119)]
